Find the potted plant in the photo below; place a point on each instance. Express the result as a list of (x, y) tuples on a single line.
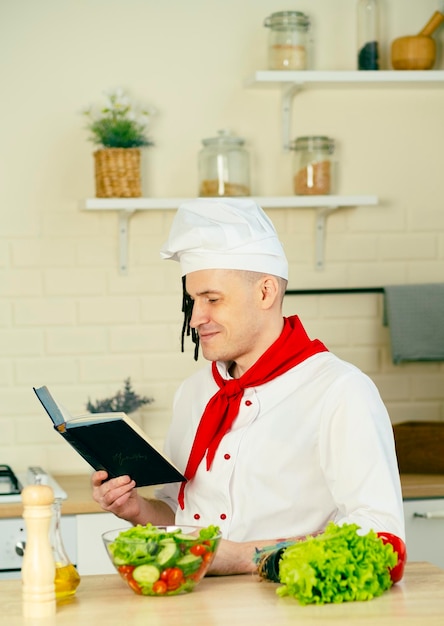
[(120, 129), (125, 400)]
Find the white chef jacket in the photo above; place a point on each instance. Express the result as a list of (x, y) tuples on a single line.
[(313, 445)]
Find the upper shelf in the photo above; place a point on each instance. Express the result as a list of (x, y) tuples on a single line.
[(266, 202), (324, 205), (293, 82), (342, 78)]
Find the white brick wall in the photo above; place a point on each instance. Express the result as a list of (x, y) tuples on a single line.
[(69, 320)]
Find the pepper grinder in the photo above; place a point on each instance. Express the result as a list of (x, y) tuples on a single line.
[(38, 570)]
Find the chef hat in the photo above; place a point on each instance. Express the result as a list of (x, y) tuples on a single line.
[(224, 233)]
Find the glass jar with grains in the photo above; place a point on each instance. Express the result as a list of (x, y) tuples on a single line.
[(313, 165), (224, 166), (287, 40)]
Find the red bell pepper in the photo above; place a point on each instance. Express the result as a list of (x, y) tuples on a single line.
[(396, 572)]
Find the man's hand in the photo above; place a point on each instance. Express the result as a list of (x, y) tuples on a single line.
[(119, 496)]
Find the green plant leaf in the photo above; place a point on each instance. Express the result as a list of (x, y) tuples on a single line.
[(119, 124), (126, 401)]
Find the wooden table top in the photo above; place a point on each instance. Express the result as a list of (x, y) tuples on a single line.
[(235, 600)]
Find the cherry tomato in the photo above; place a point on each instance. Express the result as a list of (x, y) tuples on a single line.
[(198, 550), (396, 572), (126, 571), (165, 573), (160, 587), (208, 557), (175, 578), (135, 586)]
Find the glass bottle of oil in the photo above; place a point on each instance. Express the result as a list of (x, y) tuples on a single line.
[(67, 578)]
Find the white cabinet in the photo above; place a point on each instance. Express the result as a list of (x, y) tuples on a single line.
[(424, 525), (13, 542), (82, 538), (91, 553)]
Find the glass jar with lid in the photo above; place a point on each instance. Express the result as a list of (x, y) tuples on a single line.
[(287, 40), (313, 165), (368, 34), (224, 166)]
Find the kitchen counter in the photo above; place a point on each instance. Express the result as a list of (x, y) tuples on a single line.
[(218, 601), (78, 488), (417, 486)]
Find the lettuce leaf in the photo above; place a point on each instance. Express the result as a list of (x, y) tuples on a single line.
[(139, 544), (338, 565)]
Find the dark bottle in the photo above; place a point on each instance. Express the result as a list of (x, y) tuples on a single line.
[(368, 35)]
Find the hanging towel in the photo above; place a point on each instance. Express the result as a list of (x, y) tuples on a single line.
[(415, 317)]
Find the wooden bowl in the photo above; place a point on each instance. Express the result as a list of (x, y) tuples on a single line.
[(414, 52)]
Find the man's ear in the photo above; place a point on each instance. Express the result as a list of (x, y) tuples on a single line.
[(269, 290)]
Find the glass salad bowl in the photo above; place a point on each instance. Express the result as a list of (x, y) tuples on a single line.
[(162, 560)]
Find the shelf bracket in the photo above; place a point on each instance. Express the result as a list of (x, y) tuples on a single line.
[(124, 216), (321, 218), (288, 94), (324, 206)]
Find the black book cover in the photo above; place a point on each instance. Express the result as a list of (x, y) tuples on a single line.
[(113, 442)]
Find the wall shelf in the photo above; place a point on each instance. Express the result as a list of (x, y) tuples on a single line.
[(266, 202), (324, 206), (292, 83)]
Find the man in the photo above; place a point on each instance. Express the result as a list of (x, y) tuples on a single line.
[(276, 436)]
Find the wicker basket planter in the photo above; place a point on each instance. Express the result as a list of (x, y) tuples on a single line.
[(117, 173)]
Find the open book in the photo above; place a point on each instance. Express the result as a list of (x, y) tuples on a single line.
[(112, 442)]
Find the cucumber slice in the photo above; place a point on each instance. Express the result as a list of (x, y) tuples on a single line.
[(152, 547), (168, 554), (189, 563), (185, 538), (146, 574)]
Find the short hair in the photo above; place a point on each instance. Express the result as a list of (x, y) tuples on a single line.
[(188, 302), (187, 310)]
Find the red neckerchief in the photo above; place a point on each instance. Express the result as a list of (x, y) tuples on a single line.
[(292, 347)]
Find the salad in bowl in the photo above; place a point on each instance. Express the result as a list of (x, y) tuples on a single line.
[(162, 560)]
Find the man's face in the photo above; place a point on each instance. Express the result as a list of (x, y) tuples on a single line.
[(226, 314)]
